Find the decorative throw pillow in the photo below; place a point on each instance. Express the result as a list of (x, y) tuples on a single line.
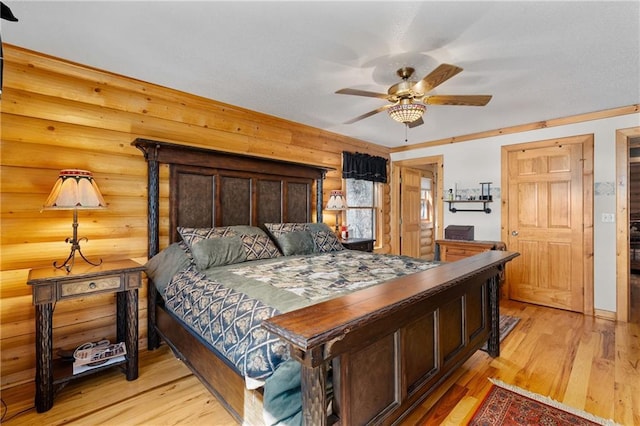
[(326, 242), (291, 238), (296, 242), (192, 236), (227, 245), (218, 252), (303, 238), (259, 247), (277, 229)]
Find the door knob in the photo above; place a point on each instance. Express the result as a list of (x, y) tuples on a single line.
[(514, 233)]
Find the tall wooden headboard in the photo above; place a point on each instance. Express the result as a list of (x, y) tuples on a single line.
[(214, 188)]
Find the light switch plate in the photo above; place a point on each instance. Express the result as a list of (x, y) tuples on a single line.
[(608, 217)]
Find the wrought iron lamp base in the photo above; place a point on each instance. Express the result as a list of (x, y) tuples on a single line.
[(75, 246)]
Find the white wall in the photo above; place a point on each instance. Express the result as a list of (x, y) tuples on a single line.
[(469, 163)]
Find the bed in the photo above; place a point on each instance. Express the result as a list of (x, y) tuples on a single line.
[(369, 355)]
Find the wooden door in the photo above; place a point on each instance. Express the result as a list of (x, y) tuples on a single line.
[(427, 217), (410, 212), (545, 224)]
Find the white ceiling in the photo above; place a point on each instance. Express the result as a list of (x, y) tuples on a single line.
[(539, 60)]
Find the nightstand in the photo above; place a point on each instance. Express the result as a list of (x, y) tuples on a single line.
[(51, 285), (361, 244)]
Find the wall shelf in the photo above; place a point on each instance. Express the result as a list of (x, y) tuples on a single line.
[(484, 208), (485, 198)]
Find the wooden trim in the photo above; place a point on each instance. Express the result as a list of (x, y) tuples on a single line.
[(504, 212), (631, 109), (623, 137), (587, 210), (395, 196), (587, 142), (607, 315)]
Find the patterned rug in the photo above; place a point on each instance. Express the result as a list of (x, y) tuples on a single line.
[(507, 322), (509, 405)]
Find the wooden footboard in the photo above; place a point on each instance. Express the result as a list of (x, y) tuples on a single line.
[(393, 344)]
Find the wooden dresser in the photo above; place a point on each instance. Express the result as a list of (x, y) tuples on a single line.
[(452, 250)]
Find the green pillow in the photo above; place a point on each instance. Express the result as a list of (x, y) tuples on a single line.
[(296, 242), (218, 251)]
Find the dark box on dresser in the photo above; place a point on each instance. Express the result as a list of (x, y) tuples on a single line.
[(459, 232)]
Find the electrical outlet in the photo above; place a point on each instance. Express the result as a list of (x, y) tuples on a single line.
[(608, 217)]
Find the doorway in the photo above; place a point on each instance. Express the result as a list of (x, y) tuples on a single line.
[(634, 230), (431, 169), (547, 216), (627, 211)]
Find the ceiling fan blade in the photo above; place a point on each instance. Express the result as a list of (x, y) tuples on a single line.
[(416, 123), (361, 93), (436, 77), (368, 114), (471, 100)]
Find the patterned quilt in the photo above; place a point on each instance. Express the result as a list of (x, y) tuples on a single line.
[(226, 306)]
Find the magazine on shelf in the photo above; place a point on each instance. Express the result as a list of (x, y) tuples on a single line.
[(88, 357), (77, 369)]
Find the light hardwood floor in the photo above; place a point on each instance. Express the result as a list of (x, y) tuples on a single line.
[(591, 364)]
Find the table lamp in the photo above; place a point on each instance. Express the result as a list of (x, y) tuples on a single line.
[(75, 190), (337, 202)]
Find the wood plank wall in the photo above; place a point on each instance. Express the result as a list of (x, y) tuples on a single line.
[(56, 115)]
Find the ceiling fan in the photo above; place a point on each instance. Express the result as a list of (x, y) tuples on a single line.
[(409, 97)]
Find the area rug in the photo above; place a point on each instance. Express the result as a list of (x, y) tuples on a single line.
[(510, 405), (507, 323)]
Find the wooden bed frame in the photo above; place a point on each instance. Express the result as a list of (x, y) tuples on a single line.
[(387, 348)]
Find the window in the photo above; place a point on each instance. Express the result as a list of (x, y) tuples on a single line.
[(363, 208), (364, 176), (426, 200)]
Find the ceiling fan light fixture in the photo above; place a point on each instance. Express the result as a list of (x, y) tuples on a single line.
[(406, 112)]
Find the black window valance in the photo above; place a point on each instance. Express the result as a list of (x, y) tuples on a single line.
[(364, 167)]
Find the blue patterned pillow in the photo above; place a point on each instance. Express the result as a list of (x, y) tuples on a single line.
[(326, 241), (192, 236), (278, 229), (259, 247)]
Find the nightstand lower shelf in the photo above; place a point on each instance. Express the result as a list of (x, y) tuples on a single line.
[(63, 370)]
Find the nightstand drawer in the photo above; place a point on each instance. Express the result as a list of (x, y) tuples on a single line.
[(80, 287)]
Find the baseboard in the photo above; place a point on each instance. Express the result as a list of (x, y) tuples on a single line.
[(608, 315)]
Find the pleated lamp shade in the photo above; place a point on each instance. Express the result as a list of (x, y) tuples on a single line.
[(75, 189), (337, 201)]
